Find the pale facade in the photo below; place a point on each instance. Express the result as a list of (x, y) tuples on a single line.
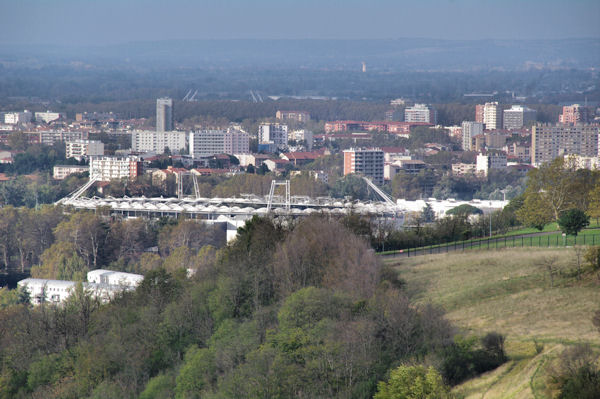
[(157, 142), (549, 142), (83, 148)]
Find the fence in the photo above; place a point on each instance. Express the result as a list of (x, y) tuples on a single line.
[(540, 240)]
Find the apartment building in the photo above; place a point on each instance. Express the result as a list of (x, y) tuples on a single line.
[(492, 116), (365, 161), (490, 161), (518, 116), (272, 137), (164, 114), (206, 143), (79, 149), (470, 130), (576, 114), (420, 113), (157, 142), (60, 172), (106, 168), (551, 141)]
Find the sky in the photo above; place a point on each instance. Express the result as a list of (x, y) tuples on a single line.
[(104, 22)]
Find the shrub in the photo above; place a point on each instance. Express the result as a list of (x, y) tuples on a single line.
[(592, 257)]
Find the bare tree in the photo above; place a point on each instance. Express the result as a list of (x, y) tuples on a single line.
[(549, 263)]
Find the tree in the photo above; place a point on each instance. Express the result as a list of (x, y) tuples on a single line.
[(573, 221), (427, 214), (413, 382), (534, 212), (464, 210), (594, 203)]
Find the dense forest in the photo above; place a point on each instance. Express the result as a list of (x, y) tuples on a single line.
[(299, 309)]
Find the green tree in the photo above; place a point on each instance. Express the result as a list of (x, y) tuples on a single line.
[(427, 214), (413, 382), (594, 203), (464, 209), (573, 221), (534, 211)]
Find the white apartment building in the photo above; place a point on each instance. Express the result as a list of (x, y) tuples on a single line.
[(48, 116), (273, 136), (470, 130), (517, 116), (14, 118), (492, 116), (151, 141), (490, 161), (205, 143), (302, 135), (79, 149), (106, 168), (60, 172), (420, 113), (580, 162)]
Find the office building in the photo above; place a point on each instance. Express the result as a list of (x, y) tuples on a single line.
[(79, 149), (272, 137), (576, 114), (158, 142), (549, 142), (368, 162), (106, 168), (206, 143), (164, 114), (492, 116), (470, 130), (518, 116), (420, 113)]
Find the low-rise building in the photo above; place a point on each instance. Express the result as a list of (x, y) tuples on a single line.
[(462, 169), (48, 116), (298, 116), (60, 172)]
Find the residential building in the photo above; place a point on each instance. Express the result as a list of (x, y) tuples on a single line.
[(50, 137), (205, 143), (164, 114), (298, 116), (399, 128), (158, 142), (79, 149), (479, 108), (60, 172), (492, 116), (462, 169), (576, 114), (302, 135), (470, 130), (552, 141), (495, 139), (272, 137), (394, 115), (518, 116), (496, 160), (580, 162), (48, 116), (366, 161), (106, 168), (15, 118), (408, 166), (420, 113)]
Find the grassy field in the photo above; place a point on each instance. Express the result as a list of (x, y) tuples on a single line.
[(509, 291)]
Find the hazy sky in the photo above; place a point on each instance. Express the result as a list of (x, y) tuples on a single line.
[(84, 22)]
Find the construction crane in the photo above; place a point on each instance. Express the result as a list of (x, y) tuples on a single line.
[(187, 95)]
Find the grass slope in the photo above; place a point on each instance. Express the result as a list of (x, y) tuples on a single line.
[(508, 291)]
